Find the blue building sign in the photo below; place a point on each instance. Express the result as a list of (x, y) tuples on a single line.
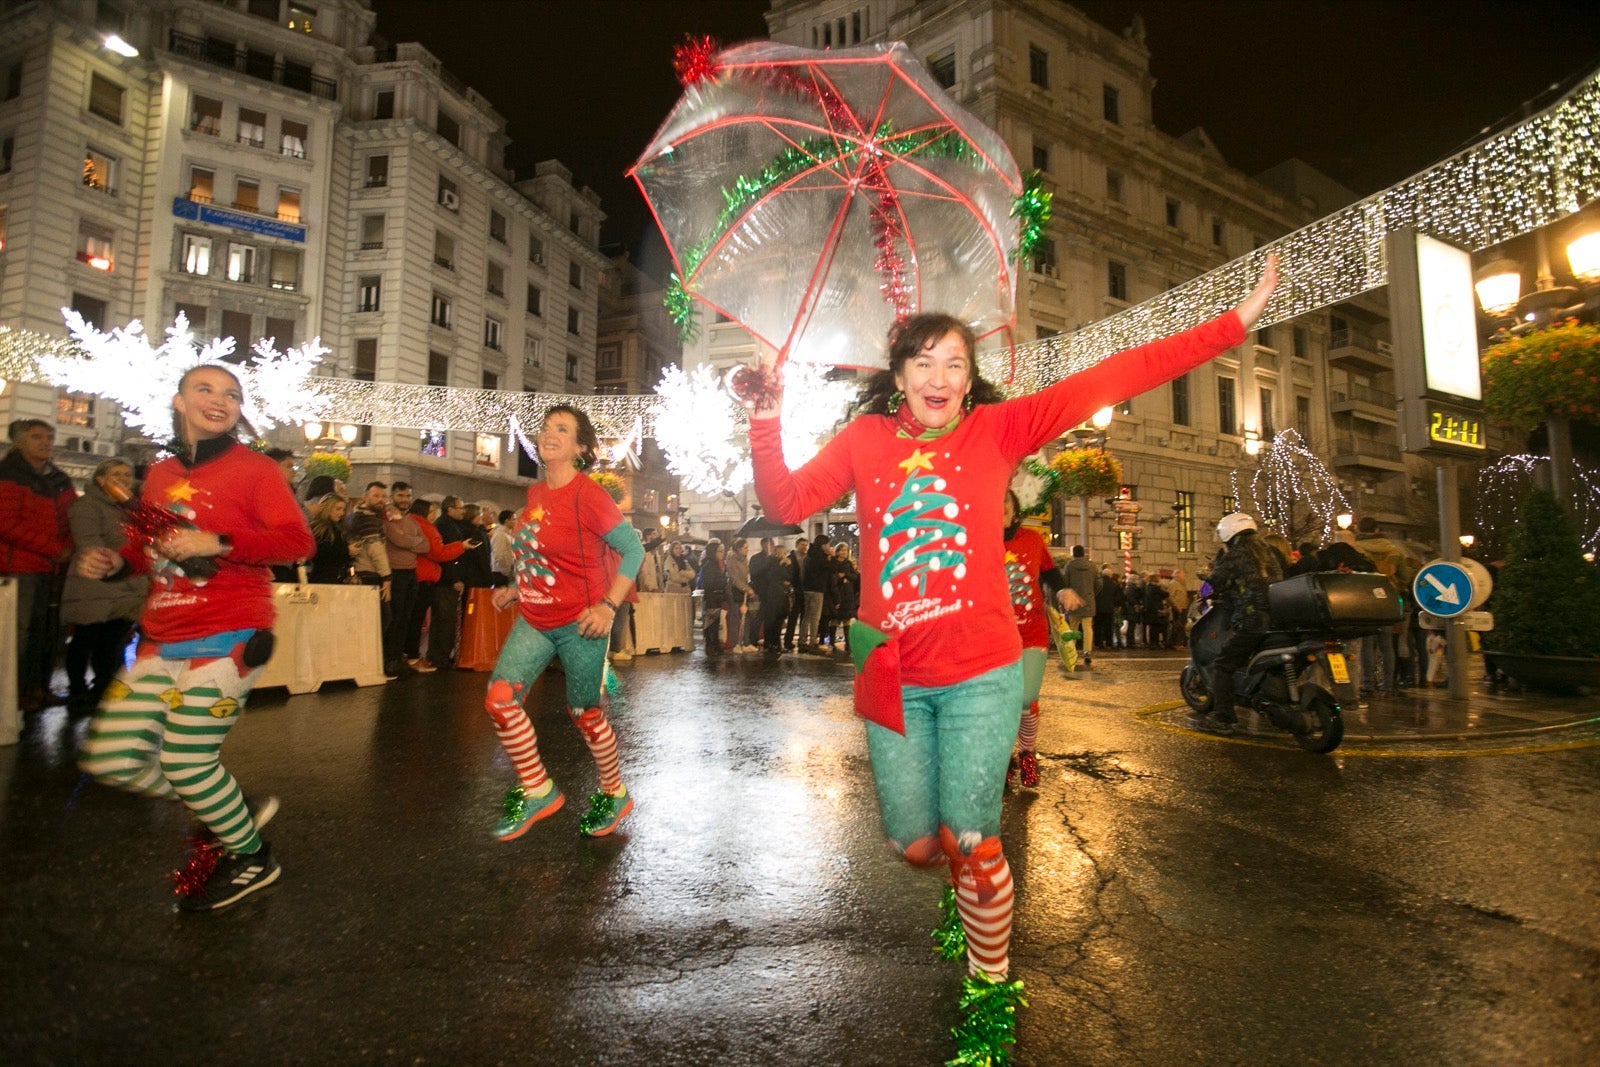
[(184, 208)]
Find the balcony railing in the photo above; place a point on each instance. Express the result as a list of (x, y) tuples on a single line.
[(254, 64), (1366, 395), (1356, 444)]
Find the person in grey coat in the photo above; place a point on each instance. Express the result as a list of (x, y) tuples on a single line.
[(1083, 578), (101, 614)]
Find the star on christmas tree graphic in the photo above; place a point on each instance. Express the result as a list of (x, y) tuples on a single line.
[(924, 515)]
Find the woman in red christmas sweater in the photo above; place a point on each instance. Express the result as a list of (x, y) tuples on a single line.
[(206, 629), (1029, 569), (924, 459)]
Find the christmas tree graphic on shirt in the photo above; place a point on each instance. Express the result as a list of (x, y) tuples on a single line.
[(919, 539), (535, 574)]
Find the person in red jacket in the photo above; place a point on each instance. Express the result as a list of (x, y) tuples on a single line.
[(1030, 572), (35, 538), (429, 572), (206, 629), (938, 652)]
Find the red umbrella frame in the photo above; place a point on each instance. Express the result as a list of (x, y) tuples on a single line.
[(853, 193)]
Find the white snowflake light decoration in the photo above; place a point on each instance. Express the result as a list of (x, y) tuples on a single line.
[(124, 367)]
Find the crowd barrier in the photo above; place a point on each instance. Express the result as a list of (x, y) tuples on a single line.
[(483, 631), (10, 715), (663, 622), (325, 633)]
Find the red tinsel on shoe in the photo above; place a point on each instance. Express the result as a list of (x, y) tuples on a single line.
[(200, 858)]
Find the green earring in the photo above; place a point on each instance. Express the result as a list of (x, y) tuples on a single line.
[(896, 398)]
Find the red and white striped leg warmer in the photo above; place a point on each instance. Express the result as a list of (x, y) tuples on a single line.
[(984, 897), (1028, 732), (515, 729), (602, 742)]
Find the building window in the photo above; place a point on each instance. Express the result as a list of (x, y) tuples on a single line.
[(943, 68), (1111, 104), (609, 359), (252, 128), (431, 443), (572, 320), (284, 273), (288, 204), (266, 9), (1302, 416), (572, 368), (369, 293), (448, 128), (377, 171), (444, 250), (486, 450), (497, 226), (1230, 504), (535, 300), (1038, 66), (449, 195), (241, 262), (281, 333), (13, 87), (491, 380), (205, 116), (438, 368), (383, 104), (1269, 425), (202, 185), (1117, 280), (495, 279), (1044, 258), (532, 352), (1180, 400), (493, 333), (92, 308), (292, 138), (1114, 185), (247, 195), (8, 146), (1174, 213), (1227, 416), (1183, 508), (535, 250), (236, 325), (105, 98), (1041, 157), (95, 246), (575, 274), (1302, 343), (1264, 338), (365, 366), (75, 409), (1216, 230), (193, 314), (196, 254), (441, 310), (301, 17), (100, 170), (371, 232)]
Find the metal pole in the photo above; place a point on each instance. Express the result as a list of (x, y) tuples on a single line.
[(1455, 633), (1559, 444), (1083, 522)]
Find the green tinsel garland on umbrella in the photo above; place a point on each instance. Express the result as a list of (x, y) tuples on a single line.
[(1036, 484), (1032, 210), (949, 937), (985, 1038)]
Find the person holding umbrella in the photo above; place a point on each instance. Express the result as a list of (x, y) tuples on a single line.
[(936, 646)]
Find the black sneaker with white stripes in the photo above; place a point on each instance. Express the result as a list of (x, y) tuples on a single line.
[(235, 877)]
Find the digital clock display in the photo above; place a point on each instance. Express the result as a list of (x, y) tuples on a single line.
[(1451, 428)]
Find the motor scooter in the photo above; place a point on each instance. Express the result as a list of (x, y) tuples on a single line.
[(1299, 680)]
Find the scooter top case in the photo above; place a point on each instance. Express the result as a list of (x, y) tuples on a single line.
[(1336, 603)]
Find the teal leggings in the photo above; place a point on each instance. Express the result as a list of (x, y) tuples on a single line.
[(527, 652), (950, 767), (1033, 660)]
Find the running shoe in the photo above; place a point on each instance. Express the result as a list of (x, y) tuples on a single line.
[(520, 811), (605, 811), (235, 877)]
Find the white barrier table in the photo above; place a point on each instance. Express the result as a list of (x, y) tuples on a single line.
[(325, 633), (663, 622), (10, 715)]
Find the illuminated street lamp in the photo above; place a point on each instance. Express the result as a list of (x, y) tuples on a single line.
[(340, 437), (1344, 520), (1467, 540), (1252, 442)]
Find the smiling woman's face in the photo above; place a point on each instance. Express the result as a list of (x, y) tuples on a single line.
[(208, 403), (936, 380)]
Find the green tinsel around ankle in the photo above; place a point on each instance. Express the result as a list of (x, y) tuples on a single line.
[(949, 937), (985, 1037)]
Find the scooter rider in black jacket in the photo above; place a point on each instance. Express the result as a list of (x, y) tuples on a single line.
[(1240, 575)]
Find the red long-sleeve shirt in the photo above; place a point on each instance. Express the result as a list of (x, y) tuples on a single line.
[(428, 569), (236, 492), (932, 553)]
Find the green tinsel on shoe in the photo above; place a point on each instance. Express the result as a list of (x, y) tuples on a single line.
[(949, 937), (985, 1038)]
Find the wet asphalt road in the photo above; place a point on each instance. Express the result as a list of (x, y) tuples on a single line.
[(1179, 900)]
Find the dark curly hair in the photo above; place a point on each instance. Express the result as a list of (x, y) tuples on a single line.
[(588, 440), (907, 339)]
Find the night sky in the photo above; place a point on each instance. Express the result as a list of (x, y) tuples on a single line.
[(1368, 91)]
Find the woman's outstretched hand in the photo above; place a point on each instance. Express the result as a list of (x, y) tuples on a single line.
[(1253, 305)]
